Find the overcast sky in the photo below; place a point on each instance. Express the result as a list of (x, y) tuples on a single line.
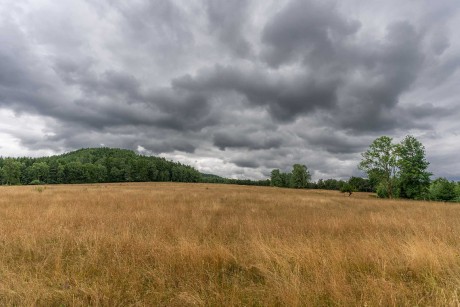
[(232, 87)]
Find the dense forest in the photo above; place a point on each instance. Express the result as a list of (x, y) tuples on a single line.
[(94, 165)]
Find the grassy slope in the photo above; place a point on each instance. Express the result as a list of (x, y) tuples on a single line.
[(201, 244)]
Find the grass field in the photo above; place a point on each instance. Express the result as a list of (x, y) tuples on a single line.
[(202, 244)]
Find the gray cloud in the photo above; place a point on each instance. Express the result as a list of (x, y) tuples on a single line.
[(233, 87), (335, 142), (245, 163), (240, 140), (227, 20), (309, 30), (284, 98)]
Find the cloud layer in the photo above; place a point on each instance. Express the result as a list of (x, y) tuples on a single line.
[(233, 87)]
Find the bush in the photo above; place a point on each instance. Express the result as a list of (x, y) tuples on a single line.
[(347, 188), (443, 190), (40, 189), (35, 182), (382, 191)]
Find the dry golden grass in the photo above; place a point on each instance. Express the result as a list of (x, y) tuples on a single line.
[(202, 244)]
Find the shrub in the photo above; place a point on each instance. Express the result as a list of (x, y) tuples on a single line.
[(347, 188), (382, 190), (40, 189), (443, 190)]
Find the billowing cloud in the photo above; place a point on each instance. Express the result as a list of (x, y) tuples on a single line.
[(309, 31), (227, 20), (235, 88)]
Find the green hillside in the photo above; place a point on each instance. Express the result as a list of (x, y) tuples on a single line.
[(93, 165)]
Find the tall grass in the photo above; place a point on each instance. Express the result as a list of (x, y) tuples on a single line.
[(199, 244)]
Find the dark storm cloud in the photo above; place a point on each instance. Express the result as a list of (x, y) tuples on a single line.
[(368, 79), (227, 20), (244, 86), (334, 142), (119, 98), (250, 163), (309, 30), (368, 102), (110, 83), (427, 110), (241, 140), (157, 24), (284, 98)]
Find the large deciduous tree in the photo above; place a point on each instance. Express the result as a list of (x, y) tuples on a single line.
[(11, 172), (380, 162), (300, 176), (414, 180), (39, 171), (399, 170), (276, 179)]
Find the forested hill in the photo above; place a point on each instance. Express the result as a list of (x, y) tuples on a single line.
[(93, 165)]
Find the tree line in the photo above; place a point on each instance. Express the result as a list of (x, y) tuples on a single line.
[(94, 165), (300, 177), (210, 178), (393, 171)]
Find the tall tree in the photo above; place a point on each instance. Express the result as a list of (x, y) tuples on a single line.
[(414, 180), (11, 171), (380, 161), (275, 179), (40, 171), (53, 171), (286, 180), (300, 176)]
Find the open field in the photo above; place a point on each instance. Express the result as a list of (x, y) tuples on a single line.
[(202, 244)]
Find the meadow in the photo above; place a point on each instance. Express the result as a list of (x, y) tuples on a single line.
[(170, 244)]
